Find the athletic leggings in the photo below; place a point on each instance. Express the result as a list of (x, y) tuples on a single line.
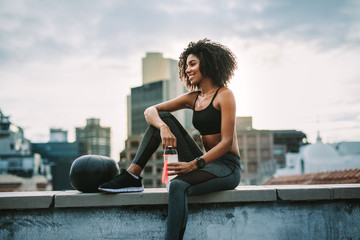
[(197, 182)]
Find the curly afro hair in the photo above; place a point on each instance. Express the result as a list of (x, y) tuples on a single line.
[(216, 62)]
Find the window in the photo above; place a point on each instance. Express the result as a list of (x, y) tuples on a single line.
[(240, 140), (264, 139), (159, 156), (278, 151), (241, 152), (134, 144), (148, 182), (252, 167), (251, 153), (251, 140), (148, 170), (265, 153), (158, 183)]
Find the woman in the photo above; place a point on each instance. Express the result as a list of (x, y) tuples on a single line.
[(206, 68)]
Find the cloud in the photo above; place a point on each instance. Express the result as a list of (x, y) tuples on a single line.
[(75, 59), (50, 30)]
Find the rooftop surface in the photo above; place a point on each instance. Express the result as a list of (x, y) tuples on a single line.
[(332, 177)]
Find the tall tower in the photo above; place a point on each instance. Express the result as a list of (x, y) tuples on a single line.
[(160, 83), (93, 138)]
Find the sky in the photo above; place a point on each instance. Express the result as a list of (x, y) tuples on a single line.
[(62, 62)]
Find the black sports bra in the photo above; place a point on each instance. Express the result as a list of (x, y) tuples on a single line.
[(208, 120)]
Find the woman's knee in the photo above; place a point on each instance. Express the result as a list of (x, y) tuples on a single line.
[(177, 185), (165, 114)]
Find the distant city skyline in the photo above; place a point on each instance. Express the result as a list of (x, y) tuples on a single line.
[(64, 62)]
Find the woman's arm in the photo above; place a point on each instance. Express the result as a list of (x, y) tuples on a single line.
[(152, 116)]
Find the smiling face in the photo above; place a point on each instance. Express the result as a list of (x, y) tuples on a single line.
[(193, 69)]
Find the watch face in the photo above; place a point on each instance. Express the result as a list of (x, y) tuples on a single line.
[(200, 162)]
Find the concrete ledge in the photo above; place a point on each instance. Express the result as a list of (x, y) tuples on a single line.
[(304, 193), (348, 191), (317, 192), (26, 200), (159, 196), (150, 196), (240, 194)]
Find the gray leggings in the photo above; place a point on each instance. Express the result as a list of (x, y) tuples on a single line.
[(197, 182)]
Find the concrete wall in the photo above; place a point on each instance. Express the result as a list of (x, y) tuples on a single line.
[(257, 212)]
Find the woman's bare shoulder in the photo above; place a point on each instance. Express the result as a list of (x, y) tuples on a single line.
[(225, 92), (190, 98)]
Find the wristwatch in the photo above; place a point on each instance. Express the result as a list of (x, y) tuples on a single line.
[(200, 162)]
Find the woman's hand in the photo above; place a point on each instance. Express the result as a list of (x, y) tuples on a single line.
[(178, 168), (167, 137)]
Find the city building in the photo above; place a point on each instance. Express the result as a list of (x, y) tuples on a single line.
[(58, 135), (321, 157), (287, 141), (256, 151), (93, 138), (347, 148), (264, 151), (57, 156), (160, 83), (15, 150)]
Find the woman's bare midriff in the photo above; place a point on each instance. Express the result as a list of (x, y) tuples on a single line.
[(211, 141)]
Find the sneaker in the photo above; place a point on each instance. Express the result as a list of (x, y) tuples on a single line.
[(124, 182)]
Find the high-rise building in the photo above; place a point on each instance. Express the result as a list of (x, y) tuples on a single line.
[(93, 138), (160, 83), (58, 135)]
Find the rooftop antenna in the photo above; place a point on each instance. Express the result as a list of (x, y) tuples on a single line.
[(318, 138)]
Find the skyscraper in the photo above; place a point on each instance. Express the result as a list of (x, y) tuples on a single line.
[(160, 83), (93, 138)]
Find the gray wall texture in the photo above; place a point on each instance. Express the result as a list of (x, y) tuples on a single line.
[(330, 220)]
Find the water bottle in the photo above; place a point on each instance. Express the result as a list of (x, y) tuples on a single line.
[(170, 156)]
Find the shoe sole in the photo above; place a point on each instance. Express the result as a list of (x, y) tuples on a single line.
[(122, 190)]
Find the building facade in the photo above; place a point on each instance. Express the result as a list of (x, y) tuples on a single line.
[(264, 151), (59, 156), (58, 135), (93, 138), (256, 151), (15, 150), (160, 83), (287, 141)]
